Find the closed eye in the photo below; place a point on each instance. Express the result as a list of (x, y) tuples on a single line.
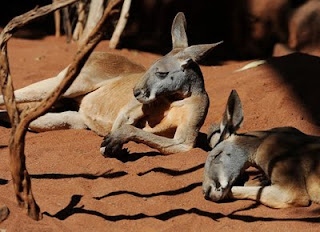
[(162, 75), (217, 155)]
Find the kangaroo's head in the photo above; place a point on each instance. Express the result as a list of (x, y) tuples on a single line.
[(226, 160), (176, 72)]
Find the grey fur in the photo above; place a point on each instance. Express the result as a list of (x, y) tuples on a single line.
[(225, 159), (177, 72)]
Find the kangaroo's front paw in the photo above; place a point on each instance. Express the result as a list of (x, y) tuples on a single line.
[(110, 146)]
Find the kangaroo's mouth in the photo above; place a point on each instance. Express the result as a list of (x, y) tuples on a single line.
[(146, 101), (212, 193), (144, 96)]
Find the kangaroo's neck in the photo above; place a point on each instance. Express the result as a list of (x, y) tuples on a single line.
[(250, 142), (195, 84)]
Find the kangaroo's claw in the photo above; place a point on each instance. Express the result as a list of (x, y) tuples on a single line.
[(110, 146)]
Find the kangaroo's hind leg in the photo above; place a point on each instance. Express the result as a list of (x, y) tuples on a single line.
[(57, 121), (272, 196), (37, 91)]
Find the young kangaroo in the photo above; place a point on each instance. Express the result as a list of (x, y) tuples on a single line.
[(288, 158), (163, 107)]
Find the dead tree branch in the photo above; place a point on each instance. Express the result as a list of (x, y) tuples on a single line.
[(80, 22), (67, 24), (94, 15), (121, 24), (20, 122), (57, 22)]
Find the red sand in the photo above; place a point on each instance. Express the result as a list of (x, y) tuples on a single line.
[(80, 190)]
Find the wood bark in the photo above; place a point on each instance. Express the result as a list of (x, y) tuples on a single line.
[(20, 122), (80, 22), (95, 14), (67, 24), (57, 22), (114, 41)]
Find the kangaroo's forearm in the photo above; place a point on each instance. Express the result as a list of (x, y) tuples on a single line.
[(163, 144)]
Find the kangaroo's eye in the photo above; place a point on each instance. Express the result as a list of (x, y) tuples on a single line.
[(162, 75)]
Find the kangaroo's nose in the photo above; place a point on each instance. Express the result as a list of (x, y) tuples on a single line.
[(136, 93)]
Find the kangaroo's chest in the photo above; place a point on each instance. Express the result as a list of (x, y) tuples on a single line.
[(163, 117)]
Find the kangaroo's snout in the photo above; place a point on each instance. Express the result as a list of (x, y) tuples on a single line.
[(142, 95)]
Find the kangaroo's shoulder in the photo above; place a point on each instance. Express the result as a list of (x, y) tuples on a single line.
[(112, 63)]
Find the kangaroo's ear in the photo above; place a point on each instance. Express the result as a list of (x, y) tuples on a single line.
[(233, 115), (198, 52), (178, 31), (214, 135)]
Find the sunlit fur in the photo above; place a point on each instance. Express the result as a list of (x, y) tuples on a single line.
[(163, 107)]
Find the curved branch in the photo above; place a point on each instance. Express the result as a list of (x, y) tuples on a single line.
[(20, 122)]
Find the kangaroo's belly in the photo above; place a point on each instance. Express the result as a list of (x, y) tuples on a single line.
[(101, 107)]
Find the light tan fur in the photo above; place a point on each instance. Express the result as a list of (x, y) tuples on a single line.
[(106, 93), (288, 158)]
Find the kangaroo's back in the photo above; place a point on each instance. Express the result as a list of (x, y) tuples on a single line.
[(283, 146), (99, 69)]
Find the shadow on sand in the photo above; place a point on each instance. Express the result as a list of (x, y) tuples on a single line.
[(73, 209), (107, 175)]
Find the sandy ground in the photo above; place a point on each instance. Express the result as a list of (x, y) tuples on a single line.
[(80, 190)]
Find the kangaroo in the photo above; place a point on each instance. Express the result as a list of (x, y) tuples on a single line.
[(288, 158), (162, 107)]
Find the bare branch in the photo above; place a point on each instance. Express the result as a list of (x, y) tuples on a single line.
[(121, 24), (19, 21), (94, 15), (20, 123), (20, 176), (80, 22), (57, 22), (73, 70)]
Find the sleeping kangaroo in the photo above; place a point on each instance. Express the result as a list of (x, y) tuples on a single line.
[(289, 159), (162, 107)]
